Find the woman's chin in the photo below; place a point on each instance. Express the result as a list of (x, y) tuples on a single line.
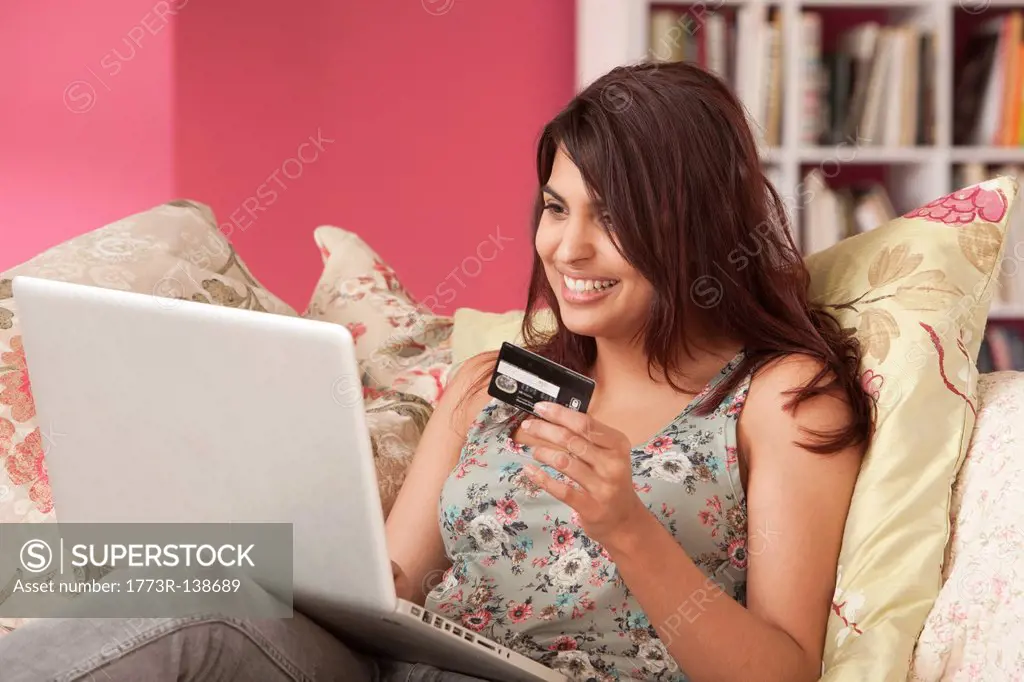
[(586, 322)]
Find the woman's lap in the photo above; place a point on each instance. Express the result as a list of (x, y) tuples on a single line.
[(194, 648), (200, 647)]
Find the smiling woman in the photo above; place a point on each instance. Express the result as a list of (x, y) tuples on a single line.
[(688, 525), (683, 493)]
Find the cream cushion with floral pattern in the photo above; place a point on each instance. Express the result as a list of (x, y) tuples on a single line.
[(916, 292), (974, 631), (401, 344)]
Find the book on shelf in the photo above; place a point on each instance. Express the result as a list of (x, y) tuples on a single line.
[(1002, 349), (876, 88), (832, 215), (988, 91), (744, 50)]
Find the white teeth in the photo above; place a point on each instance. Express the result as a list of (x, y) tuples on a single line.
[(588, 284)]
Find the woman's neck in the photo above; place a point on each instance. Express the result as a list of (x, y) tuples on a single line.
[(623, 364)]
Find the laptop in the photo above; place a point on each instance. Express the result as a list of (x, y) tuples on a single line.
[(162, 410)]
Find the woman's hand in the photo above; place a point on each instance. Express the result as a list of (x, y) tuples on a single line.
[(596, 460), (402, 587)]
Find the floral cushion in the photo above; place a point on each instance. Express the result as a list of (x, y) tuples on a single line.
[(173, 250), (400, 343), (916, 292), (396, 421), (974, 631)]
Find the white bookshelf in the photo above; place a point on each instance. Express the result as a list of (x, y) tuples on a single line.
[(614, 32)]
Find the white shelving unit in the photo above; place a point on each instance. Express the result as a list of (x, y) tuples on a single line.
[(615, 32)]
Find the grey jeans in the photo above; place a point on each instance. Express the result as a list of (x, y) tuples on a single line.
[(197, 648)]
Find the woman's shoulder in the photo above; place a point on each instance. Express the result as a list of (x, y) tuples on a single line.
[(770, 407)]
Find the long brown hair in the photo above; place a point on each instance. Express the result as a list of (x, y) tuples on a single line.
[(668, 150)]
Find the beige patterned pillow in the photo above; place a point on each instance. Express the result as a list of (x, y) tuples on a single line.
[(172, 250), (396, 422), (401, 344), (176, 251)]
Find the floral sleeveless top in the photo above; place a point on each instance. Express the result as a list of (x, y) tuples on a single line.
[(525, 575)]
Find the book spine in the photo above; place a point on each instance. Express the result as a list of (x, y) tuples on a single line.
[(814, 90)]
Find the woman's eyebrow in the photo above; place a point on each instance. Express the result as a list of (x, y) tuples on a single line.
[(547, 190)]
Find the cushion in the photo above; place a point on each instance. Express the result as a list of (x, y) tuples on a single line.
[(396, 421), (916, 292), (173, 250), (476, 332), (401, 344), (973, 631)]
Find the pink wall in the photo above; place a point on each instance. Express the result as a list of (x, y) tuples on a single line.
[(85, 118), (428, 110)]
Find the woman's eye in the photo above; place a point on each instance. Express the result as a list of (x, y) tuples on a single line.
[(606, 221), (554, 208)]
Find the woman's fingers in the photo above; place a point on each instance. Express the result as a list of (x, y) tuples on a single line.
[(560, 490), (557, 436), (573, 468), (582, 424)]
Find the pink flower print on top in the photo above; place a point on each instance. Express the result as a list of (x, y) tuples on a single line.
[(658, 445), (965, 206)]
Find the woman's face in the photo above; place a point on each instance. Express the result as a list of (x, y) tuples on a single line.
[(599, 293)]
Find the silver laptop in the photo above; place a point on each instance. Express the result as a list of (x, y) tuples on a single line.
[(161, 410)]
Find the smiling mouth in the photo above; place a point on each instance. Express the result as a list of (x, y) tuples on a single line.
[(585, 285), (586, 290)]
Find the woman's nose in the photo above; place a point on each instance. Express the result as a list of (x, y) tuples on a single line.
[(576, 243)]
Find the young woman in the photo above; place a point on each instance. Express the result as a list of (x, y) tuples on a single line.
[(688, 526)]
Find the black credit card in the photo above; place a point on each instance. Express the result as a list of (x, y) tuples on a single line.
[(522, 379)]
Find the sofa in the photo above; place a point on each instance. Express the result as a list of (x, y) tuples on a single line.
[(974, 628)]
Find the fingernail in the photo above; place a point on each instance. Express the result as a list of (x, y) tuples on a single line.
[(541, 408), (527, 425)]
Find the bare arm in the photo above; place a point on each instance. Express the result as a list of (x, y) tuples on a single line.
[(797, 503), (413, 533)]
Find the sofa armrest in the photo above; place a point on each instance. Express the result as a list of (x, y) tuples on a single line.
[(977, 621)]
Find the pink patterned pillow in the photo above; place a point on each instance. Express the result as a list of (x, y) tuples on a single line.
[(401, 344)]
